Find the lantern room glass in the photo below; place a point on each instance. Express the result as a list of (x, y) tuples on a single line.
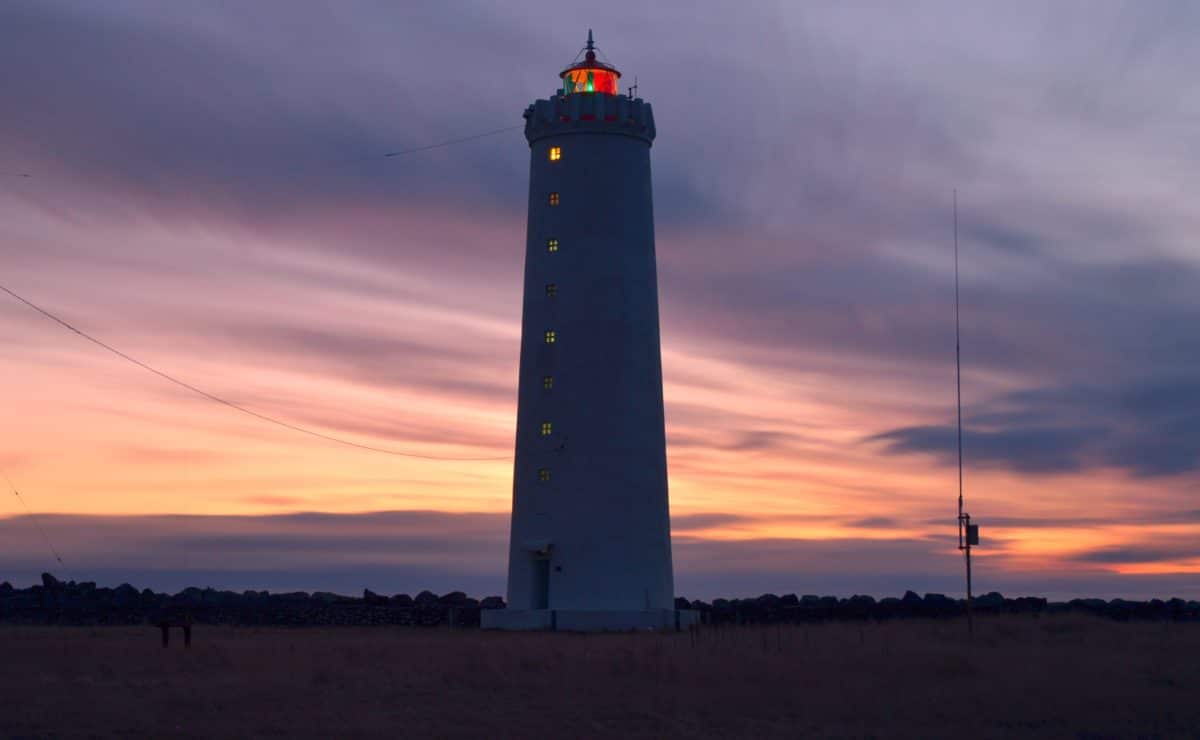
[(590, 80)]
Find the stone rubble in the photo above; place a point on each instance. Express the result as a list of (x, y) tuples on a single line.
[(71, 603)]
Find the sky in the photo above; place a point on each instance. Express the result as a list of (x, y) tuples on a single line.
[(207, 192)]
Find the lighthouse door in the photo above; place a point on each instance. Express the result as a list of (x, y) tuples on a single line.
[(541, 581)]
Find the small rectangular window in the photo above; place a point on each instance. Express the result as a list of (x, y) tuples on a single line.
[(550, 336), (553, 199), (555, 153), (552, 245), (547, 381), (551, 290), (547, 429), (544, 474)]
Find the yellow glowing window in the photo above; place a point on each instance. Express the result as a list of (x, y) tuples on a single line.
[(555, 153), (547, 381), (550, 337), (552, 245), (551, 290), (544, 474), (553, 199), (547, 428)]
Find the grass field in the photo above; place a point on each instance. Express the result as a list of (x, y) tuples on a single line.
[(1066, 676)]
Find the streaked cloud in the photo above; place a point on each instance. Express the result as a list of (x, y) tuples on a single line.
[(1148, 427), (409, 551)]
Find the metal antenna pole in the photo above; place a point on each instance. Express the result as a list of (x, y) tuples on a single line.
[(964, 519), (958, 361)]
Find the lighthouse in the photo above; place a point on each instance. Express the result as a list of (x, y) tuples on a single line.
[(590, 545)]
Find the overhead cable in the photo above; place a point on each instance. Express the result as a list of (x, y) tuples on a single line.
[(36, 522), (230, 404)]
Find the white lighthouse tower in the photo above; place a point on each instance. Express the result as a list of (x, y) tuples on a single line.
[(590, 544)]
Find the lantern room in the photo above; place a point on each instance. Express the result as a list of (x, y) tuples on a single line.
[(590, 76)]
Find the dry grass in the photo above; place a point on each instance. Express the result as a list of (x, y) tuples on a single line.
[(1053, 677)]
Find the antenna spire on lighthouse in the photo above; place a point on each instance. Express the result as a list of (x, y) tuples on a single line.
[(590, 76)]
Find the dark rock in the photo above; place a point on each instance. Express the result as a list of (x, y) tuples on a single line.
[(56, 602), (991, 601), (1093, 605), (425, 599), (1030, 604), (858, 607), (224, 598), (454, 598), (189, 595), (941, 605)]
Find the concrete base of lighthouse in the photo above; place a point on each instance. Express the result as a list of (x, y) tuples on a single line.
[(588, 620)]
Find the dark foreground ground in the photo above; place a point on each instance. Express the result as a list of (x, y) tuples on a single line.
[(1027, 676)]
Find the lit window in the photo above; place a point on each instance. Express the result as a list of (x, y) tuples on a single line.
[(553, 199), (555, 153), (547, 381), (544, 474), (551, 290), (552, 245), (550, 337), (547, 428)]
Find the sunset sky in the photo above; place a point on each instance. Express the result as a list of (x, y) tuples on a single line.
[(207, 192)]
